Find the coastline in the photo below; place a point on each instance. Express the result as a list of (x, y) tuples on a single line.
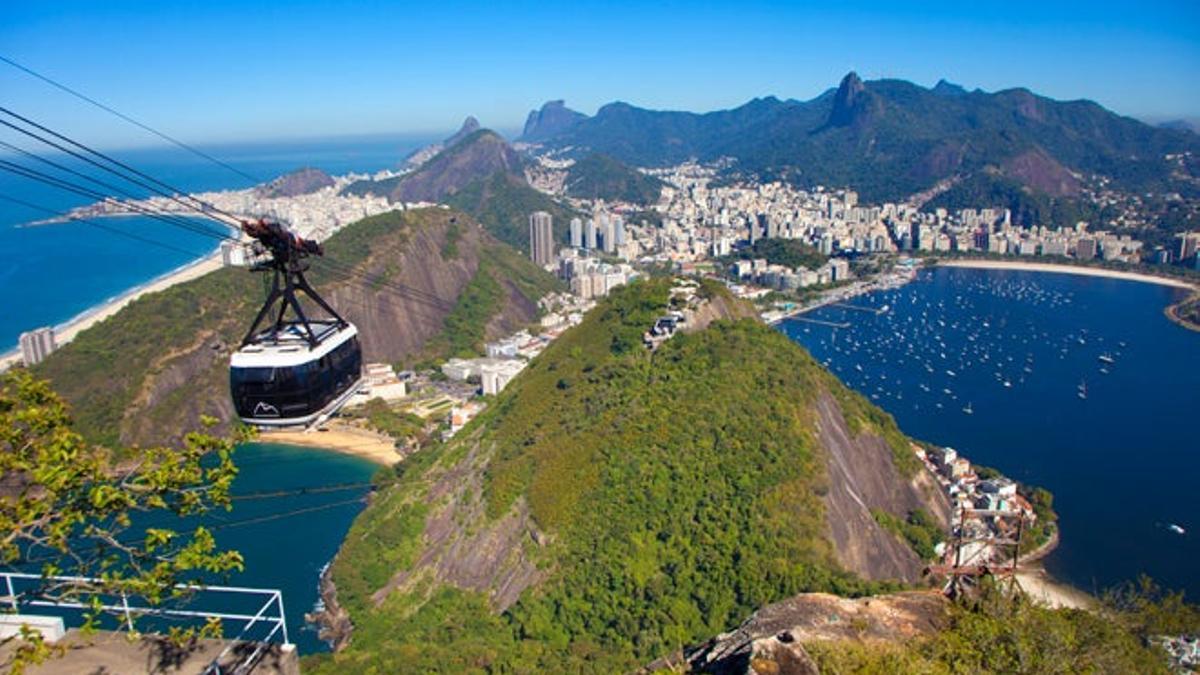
[(1044, 589), (341, 438), (1022, 266), (1170, 311), (69, 329)]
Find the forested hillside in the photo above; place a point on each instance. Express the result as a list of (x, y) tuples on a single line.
[(614, 504)]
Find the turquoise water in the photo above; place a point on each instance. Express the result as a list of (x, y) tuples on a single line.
[(50, 274), (1122, 462), (287, 540)]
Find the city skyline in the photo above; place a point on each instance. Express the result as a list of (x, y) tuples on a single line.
[(228, 73)]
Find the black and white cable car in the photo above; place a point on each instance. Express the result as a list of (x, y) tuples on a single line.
[(296, 370)]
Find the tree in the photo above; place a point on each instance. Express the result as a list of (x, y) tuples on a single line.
[(69, 508)]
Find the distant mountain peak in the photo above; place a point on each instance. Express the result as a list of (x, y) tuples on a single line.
[(853, 104), (479, 154), (552, 119), (421, 155), (1181, 125), (469, 126), (944, 88)]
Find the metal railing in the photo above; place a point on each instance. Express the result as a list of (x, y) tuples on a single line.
[(23, 592)]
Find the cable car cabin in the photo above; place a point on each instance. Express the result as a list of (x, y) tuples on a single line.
[(278, 379)]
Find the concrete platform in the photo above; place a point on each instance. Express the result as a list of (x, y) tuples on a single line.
[(108, 653)]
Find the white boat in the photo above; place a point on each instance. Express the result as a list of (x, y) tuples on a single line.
[(1105, 358), (1176, 529), (969, 410)]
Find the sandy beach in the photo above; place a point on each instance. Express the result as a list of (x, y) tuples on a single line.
[(1022, 266), (340, 437), (1042, 588), (65, 332)]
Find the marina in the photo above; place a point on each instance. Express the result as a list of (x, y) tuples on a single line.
[(1059, 381)]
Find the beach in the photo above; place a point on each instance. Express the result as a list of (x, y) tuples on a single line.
[(1022, 266), (1045, 590), (67, 331), (340, 437)]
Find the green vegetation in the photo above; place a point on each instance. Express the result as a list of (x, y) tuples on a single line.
[(453, 234), (68, 508), (466, 325), (102, 371), (602, 177), (1187, 312), (1000, 634), (353, 245), (465, 328), (384, 545), (1047, 520), (675, 499), (383, 418), (502, 202), (788, 252), (919, 530), (1028, 207)]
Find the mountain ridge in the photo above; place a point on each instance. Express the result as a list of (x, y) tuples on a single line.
[(480, 153), (889, 139), (421, 155)]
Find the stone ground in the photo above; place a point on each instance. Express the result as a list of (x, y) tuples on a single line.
[(107, 653)]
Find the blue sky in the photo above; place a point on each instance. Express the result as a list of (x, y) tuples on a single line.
[(229, 71)]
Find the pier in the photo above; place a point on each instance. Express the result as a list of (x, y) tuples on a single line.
[(872, 310), (819, 322)]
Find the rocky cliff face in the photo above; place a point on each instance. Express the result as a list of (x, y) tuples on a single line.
[(863, 476), (553, 118), (853, 104), (772, 639)]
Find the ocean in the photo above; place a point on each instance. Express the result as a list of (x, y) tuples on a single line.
[(1021, 351), (50, 274)]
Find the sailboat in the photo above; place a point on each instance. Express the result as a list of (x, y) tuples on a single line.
[(1082, 389), (969, 410)]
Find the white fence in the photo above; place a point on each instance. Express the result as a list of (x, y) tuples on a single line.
[(24, 591)]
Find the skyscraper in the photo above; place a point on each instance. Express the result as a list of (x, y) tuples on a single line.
[(609, 233), (541, 238), (576, 233), (590, 234), (37, 345)]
